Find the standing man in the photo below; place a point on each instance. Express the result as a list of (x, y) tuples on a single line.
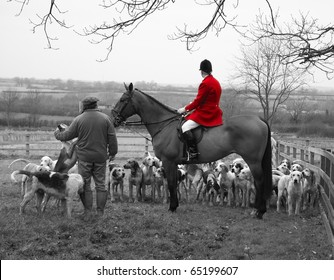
[(96, 140), (205, 109)]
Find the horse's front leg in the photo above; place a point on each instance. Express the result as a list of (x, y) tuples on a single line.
[(171, 169)]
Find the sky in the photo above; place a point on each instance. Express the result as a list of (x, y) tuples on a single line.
[(144, 55)]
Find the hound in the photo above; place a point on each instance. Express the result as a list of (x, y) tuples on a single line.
[(291, 186), (115, 180), (236, 164), (161, 183), (194, 177), (26, 181), (181, 178), (66, 162), (296, 167), (226, 181), (310, 192), (236, 167), (282, 192), (286, 163), (136, 178), (63, 186), (275, 180), (149, 165), (295, 192), (244, 187), (282, 169), (212, 188)]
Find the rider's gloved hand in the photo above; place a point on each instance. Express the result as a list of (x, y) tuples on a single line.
[(181, 110)]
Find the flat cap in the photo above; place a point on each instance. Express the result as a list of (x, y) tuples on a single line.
[(89, 100)]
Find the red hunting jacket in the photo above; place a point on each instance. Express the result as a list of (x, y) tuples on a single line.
[(206, 104)]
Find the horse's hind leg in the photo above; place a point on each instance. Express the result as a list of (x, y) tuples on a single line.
[(260, 201)]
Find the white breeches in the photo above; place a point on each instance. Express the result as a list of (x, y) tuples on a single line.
[(188, 125)]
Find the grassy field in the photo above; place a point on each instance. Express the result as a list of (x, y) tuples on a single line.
[(147, 230)]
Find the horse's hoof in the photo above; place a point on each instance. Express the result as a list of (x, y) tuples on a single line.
[(259, 215)]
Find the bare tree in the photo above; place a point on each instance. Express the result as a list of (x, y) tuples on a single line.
[(308, 43), (33, 104), (127, 15), (233, 105), (296, 107), (263, 77), (7, 101)]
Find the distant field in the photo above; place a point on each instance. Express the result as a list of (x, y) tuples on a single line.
[(42, 117)]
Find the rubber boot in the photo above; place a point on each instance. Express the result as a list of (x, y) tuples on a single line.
[(101, 200), (192, 152), (87, 201), (82, 198)]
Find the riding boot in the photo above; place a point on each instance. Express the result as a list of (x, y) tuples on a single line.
[(101, 200), (192, 152)]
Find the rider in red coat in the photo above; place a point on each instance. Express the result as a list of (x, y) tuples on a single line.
[(204, 109)]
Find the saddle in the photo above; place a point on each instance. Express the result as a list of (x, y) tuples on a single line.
[(197, 132)]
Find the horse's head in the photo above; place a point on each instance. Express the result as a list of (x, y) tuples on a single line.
[(124, 107)]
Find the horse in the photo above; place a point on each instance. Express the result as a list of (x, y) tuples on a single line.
[(248, 136)]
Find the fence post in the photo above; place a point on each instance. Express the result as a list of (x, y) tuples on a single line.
[(307, 151), (27, 144), (146, 147), (274, 150)]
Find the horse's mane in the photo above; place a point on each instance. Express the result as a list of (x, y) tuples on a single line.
[(170, 109)]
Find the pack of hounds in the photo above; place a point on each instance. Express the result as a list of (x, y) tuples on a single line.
[(218, 183)]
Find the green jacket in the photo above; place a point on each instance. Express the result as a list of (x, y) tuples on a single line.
[(96, 136)]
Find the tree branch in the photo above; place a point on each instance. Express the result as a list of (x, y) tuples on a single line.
[(44, 21), (309, 43)]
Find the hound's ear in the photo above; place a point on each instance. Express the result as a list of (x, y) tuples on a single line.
[(130, 87), (114, 173)]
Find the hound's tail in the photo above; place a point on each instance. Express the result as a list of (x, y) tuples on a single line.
[(16, 172), (18, 160)]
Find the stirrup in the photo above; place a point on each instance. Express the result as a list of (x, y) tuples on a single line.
[(190, 156)]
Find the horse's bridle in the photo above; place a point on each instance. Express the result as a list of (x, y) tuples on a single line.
[(118, 115)]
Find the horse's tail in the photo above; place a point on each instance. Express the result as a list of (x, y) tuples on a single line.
[(266, 166)]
